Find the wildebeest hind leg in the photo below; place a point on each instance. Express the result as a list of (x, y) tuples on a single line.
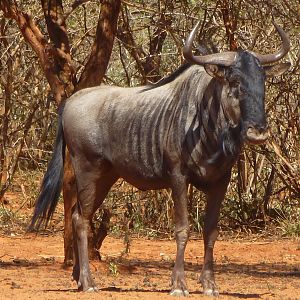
[(92, 187)]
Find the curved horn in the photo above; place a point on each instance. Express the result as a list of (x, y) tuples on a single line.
[(285, 47), (222, 59)]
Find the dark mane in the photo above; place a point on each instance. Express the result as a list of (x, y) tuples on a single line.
[(169, 78)]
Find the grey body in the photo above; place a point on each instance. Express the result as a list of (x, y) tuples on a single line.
[(187, 129), (149, 129), (162, 137)]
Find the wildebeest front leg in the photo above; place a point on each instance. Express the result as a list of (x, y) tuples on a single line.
[(215, 197), (179, 195)]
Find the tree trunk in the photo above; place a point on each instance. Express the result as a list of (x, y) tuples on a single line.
[(92, 75), (56, 62)]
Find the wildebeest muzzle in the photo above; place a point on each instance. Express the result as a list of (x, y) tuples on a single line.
[(255, 135)]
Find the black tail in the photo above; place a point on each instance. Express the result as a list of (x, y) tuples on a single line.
[(52, 181)]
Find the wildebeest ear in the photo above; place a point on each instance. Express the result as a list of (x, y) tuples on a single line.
[(277, 69), (215, 71)]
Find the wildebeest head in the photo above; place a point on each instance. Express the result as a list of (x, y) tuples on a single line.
[(244, 73)]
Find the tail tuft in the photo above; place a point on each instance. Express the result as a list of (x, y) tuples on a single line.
[(51, 184)]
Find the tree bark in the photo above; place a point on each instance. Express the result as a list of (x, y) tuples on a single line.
[(92, 75), (54, 58), (70, 198), (230, 22), (64, 87), (60, 48), (96, 66)]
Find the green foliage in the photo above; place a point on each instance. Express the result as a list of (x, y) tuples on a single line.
[(11, 222), (113, 269), (289, 222), (6, 216)]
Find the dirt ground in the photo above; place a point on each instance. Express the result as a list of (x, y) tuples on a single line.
[(31, 267)]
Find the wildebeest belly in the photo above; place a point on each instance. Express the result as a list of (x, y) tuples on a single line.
[(137, 155)]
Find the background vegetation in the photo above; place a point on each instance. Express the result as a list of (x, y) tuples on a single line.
[(265, 189)]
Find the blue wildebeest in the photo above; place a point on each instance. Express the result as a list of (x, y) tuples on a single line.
[(187, 129)]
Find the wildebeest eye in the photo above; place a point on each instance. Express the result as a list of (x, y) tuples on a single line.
[(234, 89)]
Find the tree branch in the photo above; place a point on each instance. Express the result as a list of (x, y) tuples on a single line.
[(54, 59), (64, 80), (96, 66)]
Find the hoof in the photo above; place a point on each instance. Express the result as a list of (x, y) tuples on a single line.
[(210, 292), (179, 293), (91, 290), (208, 283), (87, 288)]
